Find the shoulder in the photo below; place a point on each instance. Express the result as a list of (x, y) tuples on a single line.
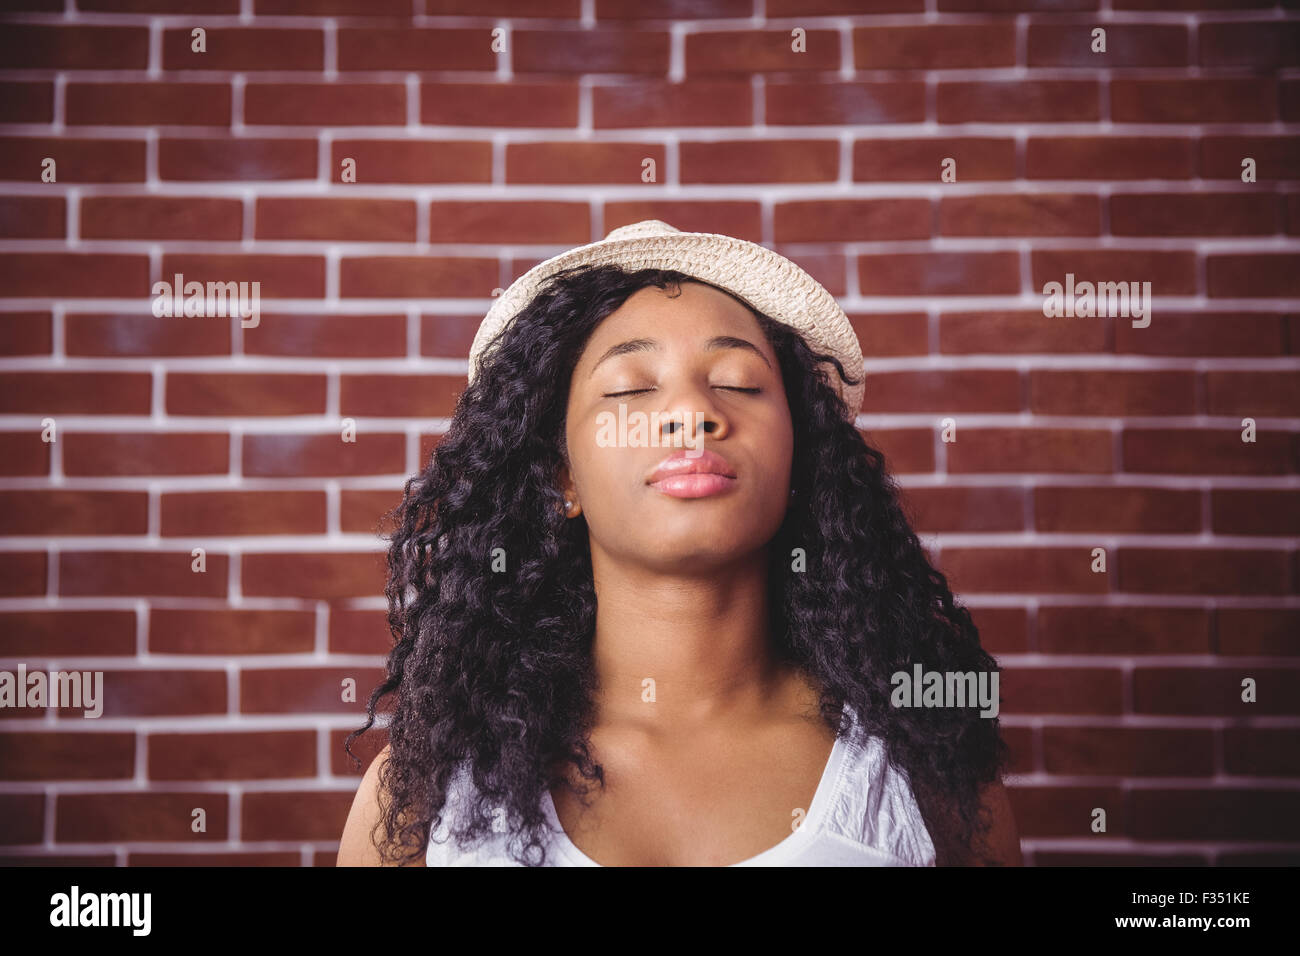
[(356, 846)]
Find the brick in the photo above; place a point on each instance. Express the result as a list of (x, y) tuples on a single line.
[(325, 104), (33, 217), (1219, 334), (1193, 100), (354, 220), (206, 860), (684, 9), (76, 160), (801, 8), (1018, 101), (583, 163), (1276, 157), (161, 217), (767, 161), (251, 160), (965, 509), (908, 450), (1116, 509), (358, 631), (642, 104), (1202, 691), (24, 816), (893, 333), (521, 102), (1197, 214), (1261, 44), (159, 6), (328, 336), (1061, 690), (96, 633), (1001, 6), (1028, 333), (1263, 511), (320, 576), (366, 748), (221, 513), (1252, 275), (303, 815), (1066, 811), (123, 335), (348, 8), (49, 47), (141, 573), (1112, 392), (448, 335), (1127, 45), (949, 46), (834, 103), (946, 391), (24, 453), (245, 393), (1129, 751), (22, 573), (291, 456), (1056, 450), (1253, 393), (394, 396), (417, 277), (160, 693), (921, 160), (1193, 451), (1122, 629), (38, 755), (151, 817), (1024, 570), (1203, 570), (416, 49), (51, 512), (84, 393), (281, 277), (1032, 214), (592, 51), (1170, 273), (939, 273), (1109, 157), (541, 221), (849, 220), (25, 333), (228, 631), (247, 755), (305, 690), (1164, 5), (245, 49), (161, 103), (414, 162), (1261, 751), (1289, 100), (22, 102), (364, 512), (74, 275), (145, 453)]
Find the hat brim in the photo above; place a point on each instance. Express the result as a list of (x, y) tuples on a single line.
[(769, 282)]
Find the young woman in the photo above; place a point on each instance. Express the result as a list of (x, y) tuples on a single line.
[(650, 592)]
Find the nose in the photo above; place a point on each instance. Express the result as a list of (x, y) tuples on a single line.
[(689, 416)]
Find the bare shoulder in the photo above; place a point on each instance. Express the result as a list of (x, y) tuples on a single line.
[(1003, 840), (356, 846)]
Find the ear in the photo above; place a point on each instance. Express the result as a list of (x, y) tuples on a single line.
[(564, 482)]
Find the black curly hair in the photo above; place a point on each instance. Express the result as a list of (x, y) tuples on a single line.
[(494, 670)]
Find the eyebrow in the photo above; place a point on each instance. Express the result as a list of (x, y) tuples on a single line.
[(652, 345)]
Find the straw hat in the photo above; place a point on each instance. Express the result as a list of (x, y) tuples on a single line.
[(769, 282)]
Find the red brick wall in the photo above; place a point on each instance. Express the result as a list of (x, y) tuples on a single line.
[(1122, 688)]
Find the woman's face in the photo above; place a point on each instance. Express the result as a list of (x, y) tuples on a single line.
[(682, 359)]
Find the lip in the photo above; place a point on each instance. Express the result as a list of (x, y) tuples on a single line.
[(692, 476)]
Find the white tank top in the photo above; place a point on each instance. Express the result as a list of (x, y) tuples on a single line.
[(862, 814)]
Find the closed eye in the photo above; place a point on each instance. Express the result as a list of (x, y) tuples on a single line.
[(730, 388)]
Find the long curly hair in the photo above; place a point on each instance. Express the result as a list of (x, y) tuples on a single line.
[(492, 667)]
